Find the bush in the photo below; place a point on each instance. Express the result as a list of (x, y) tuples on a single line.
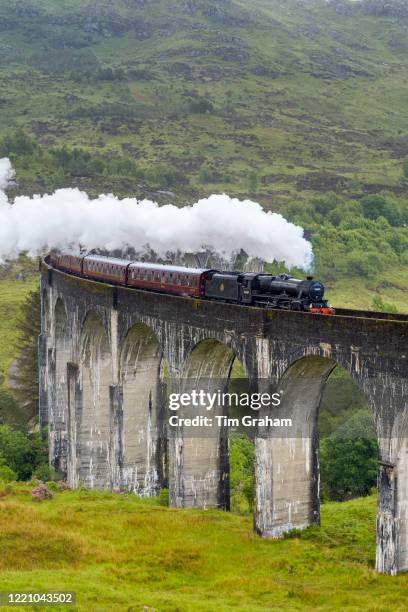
[(201, 106), (164, 497), (41, 492), (7, 474), (378, 305), (253, 182), (77, 162), (46, 473)]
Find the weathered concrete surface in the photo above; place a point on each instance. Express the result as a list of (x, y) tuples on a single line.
[(290, 499), (199, 465), (102, 351)]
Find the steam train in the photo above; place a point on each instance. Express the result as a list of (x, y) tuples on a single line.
[(247, 288)]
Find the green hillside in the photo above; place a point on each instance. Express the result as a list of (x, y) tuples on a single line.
[(298, 105), (309, 96), (118, 552)]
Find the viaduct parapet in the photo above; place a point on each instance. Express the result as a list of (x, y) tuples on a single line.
[(104, 350)]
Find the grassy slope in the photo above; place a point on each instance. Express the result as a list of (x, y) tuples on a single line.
[(117, 551), (295, 89), (358, 293)]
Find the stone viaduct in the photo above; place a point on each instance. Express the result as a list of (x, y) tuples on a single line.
[(103, 351)]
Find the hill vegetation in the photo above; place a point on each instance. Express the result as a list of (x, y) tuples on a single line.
[(285, 99)]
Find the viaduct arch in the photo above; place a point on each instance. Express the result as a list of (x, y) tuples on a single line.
[(102, 354)]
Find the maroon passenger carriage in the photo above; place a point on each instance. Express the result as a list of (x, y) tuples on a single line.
[(171, 279), (177, 280)]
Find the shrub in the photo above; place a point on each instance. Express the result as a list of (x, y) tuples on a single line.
[(201, 106), (253, 182), (7, 474), (379, 305), (46, 473), (164, 497), (41, 492)]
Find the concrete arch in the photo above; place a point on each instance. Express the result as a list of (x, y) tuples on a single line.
[(94, 405), (287, 466), (59, 407), (199, 464), (142, 442)]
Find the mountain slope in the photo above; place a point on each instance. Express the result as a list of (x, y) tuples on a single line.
[(283, 98)]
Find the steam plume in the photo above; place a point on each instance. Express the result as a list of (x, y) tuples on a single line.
[(68, 219)]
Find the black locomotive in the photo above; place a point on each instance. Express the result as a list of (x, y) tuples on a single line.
[(267, 291)]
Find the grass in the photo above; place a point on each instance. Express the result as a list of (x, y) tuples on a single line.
[(358, 293), (118, 552)]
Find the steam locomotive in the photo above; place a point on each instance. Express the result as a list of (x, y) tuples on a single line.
[(247, 288)]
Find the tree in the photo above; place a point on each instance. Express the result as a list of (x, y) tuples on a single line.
[(252, 182), (20, 452), (349, 458), (374, 206), (26, 376), (18, 143), (10, 411), (242, 458), (405, 169)]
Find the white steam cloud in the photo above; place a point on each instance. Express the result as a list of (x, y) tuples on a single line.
[(69, 219)]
